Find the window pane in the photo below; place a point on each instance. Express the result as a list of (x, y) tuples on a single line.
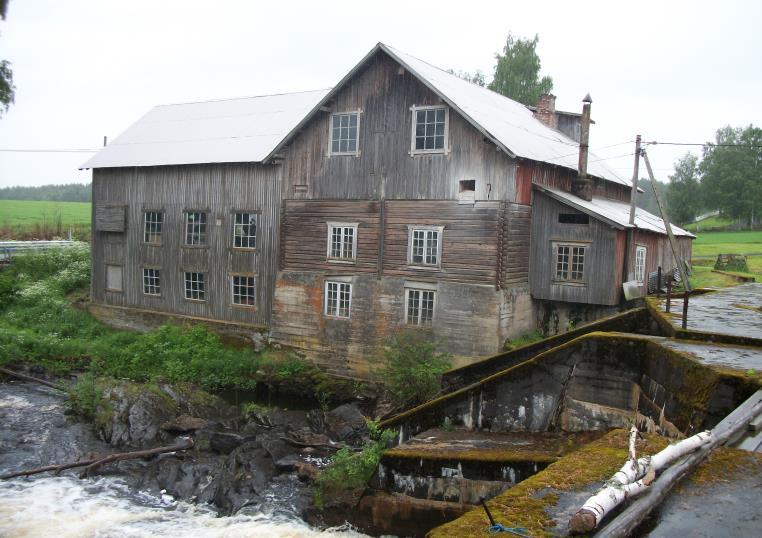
[(419, 143), (353, 120), (429, 143), (439, 142), (440, 115), (420, 116)]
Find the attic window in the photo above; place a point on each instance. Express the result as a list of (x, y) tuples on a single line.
[(573, 218), (430, 126), (344, 129)]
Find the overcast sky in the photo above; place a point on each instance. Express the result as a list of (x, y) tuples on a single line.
[(669, 70)]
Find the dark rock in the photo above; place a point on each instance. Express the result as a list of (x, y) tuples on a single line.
[(278, 449), (130, 415), (345, 422), (288, 419), (226, 442), (184, 424), (241, 480), (287, 463), (308, 438), (316, 420), (306, 472)]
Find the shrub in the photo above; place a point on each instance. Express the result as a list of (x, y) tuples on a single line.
[(85, 396), (413, 368), (349, 470)]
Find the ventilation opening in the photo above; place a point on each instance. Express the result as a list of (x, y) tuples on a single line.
[(467, 191), (573, 218)]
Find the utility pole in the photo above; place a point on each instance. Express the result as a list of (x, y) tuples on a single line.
[(635, 173), (668, 226)]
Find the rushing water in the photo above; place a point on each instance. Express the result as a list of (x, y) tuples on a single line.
[(35, 432)]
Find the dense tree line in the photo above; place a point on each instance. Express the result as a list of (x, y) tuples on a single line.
[(71, 192), (727, 177)]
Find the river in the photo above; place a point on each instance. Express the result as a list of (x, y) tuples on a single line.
[(36, 432)]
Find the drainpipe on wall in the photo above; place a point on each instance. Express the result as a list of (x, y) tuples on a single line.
[(582, 186)]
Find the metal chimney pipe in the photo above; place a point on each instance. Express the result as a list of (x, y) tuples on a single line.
[(582, 186)]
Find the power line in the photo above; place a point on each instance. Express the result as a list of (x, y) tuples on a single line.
[(705, 144), (30, 150)]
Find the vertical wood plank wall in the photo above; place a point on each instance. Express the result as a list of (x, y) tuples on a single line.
[(218, 189)]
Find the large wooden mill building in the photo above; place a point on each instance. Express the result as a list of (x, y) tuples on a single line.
[(404, 197)]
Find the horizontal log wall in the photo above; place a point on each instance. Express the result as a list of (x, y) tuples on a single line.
[(603, 259), (218, 189)]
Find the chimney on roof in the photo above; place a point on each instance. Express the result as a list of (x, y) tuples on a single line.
[(545, 111), (582, 186)]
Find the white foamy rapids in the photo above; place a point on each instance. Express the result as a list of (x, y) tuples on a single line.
[(65, 507)]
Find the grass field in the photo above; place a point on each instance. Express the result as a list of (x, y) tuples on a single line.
[(24, 219), (714, 243), (711, 222), (708, 245)]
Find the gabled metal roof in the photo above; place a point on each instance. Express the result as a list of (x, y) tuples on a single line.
[(507, 123), (222, 131), (613, 212)]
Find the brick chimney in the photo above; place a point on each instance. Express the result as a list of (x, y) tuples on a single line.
[(546, 110), (582, 186)]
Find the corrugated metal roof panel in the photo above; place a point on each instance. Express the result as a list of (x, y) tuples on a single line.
[(613, 211), (231, 130)]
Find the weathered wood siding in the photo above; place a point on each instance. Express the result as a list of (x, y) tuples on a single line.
[(109, 217), (218, 189), (530, 172), (603, 260), (658, 251), (514, 259), (384, 167)]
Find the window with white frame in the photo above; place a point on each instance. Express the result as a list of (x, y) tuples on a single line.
[(195, 228), (152, 223), (640, 263), (430, 126), (151, 281), (338, 299), (419, 307), (344, 133), (244, 290), (570, 262), (342, 241), (245, 230), (425, 246), (195, 286)]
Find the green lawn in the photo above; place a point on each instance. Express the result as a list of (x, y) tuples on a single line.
[(27, 213), (26, 219), (711, 222), (714, 243)]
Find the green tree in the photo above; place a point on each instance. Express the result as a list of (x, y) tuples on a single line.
[(7, 89), (517, 72), (646, 199), (731, 173), (683, 195), (477, 78)]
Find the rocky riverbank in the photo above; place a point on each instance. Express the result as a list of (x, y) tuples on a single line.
[(238, 462)]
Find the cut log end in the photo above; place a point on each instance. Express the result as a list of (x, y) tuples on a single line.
[(583, 522)]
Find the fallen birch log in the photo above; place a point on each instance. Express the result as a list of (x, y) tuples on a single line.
[(633, 478), (94, 463), (25, 377)]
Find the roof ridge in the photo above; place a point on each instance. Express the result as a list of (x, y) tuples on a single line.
[(242, 97)]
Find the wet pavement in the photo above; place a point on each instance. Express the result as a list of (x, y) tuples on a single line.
[(736, 311), (736, 357)]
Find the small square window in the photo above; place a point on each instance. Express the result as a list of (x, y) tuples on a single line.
[(419, 307), (338, 299), (342, 241), (570, 262), (152, 224), (245, 230), (244, 290), (195, 228), (430, 129), (195, 286), (640, 263), (344, 133), (151, 281), (425, 246), (114, 277)]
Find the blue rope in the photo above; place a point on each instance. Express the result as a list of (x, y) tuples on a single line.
[(518, 531)]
